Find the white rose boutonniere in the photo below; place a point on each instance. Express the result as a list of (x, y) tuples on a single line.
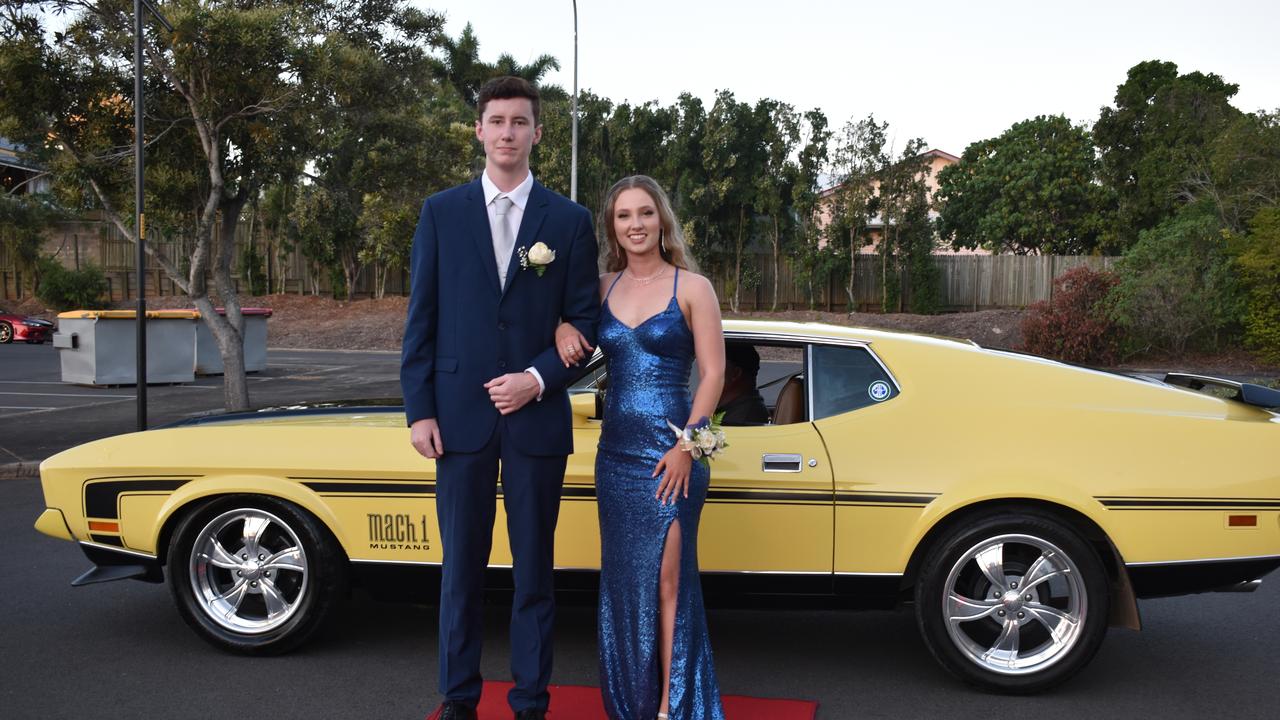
[(537, 257)]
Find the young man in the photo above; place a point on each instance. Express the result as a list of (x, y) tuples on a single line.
[(483, 384)]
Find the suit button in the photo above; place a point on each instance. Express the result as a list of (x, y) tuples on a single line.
[(502, 364), (502, 326)]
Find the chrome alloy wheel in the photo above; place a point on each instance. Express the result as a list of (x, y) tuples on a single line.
[(248, 571), (1015, 604)]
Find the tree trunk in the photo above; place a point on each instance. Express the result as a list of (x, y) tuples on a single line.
[(228, 330), (884, 267), (853, 274), (737, 264), (777, 266)]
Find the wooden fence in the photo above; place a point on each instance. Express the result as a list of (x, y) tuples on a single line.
[(966, 282)]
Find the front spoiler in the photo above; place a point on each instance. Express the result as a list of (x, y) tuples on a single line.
[(116, 564)]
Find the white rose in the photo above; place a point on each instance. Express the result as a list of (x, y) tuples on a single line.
[(707, 442), (540, 254)]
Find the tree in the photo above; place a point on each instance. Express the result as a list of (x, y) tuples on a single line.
[(23, 220), (1032, 190), (229, 86), (907, 238), (810, 260), (1177, 288), (733, 158), (1149, 139), (385, 131), (1257, 255), (462, 67), (1238, 172), (774, 186), (859, 156)]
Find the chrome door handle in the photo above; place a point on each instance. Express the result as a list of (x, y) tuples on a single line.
[(780, 462)]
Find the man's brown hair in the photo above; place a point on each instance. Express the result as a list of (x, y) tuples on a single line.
[(505, 87)]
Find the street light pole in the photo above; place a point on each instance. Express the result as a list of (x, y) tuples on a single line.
[(139, 216), (573, 166)]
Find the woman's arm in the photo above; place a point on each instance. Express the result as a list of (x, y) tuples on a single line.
[(702, 309)]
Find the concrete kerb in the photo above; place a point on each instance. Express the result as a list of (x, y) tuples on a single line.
[(19, 470)]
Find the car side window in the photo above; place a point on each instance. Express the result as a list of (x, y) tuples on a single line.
[(846, 379), (763, 384)]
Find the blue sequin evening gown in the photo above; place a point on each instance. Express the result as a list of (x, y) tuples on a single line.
[(649, 369)]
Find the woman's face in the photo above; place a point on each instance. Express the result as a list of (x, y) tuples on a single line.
[(636, 222)]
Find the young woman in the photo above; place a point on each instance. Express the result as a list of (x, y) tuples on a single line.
[(658, 317)]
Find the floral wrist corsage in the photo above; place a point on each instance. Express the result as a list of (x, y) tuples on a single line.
[(703, 440)]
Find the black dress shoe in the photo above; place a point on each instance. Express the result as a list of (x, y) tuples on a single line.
[(456, 711), (532, 714)]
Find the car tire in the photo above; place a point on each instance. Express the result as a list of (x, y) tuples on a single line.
[(6, 333), (255, 575), (1013, 602)]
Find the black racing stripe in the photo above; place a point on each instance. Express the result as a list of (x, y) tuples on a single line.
[(1180, 498), (373, 488), (577, 491), (720, 495), (881, 499), (100, 497), (106, 540), (1188, 504)]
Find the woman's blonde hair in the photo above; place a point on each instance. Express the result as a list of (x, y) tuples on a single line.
[(675, 250)]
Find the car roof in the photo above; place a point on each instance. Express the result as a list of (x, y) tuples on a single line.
[(819, 331)]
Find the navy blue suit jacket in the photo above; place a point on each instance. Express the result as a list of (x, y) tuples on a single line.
[(463, 329)]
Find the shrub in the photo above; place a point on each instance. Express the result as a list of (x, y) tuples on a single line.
[(1258, 258), (1075, 325), (65, 289), (1177, 288)]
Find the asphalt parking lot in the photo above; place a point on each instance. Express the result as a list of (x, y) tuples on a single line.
[(40, 415)]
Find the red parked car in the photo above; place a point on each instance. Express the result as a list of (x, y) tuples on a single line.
[(21, 327)]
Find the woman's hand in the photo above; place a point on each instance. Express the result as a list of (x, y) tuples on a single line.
[(571, 345), (674, 468)]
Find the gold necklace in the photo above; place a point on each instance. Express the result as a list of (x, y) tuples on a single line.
[(648, 278)]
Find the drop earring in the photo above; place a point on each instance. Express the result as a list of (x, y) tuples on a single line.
[(662, 239)]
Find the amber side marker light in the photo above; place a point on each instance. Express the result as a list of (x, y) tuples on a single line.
[(99, 526), (1242, 521)]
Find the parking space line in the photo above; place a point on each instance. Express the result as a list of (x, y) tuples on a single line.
[(82, 406), (95, 395), (23, 407)]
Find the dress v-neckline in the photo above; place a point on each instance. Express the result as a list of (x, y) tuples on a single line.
[(633, 328)]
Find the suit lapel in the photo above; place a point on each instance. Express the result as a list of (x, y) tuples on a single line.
[(481, 234), (535, 211)]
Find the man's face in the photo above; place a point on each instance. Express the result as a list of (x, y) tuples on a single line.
[(508, 133)]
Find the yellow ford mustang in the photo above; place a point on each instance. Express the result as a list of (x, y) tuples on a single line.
[(1022, 504)]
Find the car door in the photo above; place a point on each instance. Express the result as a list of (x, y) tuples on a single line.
[(878, 496), (769, 508)]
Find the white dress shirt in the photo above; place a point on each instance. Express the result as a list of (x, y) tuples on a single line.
[(519, 198)]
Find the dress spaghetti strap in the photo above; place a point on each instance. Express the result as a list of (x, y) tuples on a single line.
[(612, 284), (675, 284)]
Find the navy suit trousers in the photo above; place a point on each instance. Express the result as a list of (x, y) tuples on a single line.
[(466, 503)]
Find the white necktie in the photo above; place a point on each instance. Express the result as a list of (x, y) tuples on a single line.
[(503, 243)]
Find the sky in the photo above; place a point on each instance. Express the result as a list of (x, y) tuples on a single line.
[(951, 72)]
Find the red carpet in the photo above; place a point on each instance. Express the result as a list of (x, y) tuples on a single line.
[(574, 702)]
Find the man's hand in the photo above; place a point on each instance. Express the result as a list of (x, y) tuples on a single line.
[(425, 436), (512, 391)]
